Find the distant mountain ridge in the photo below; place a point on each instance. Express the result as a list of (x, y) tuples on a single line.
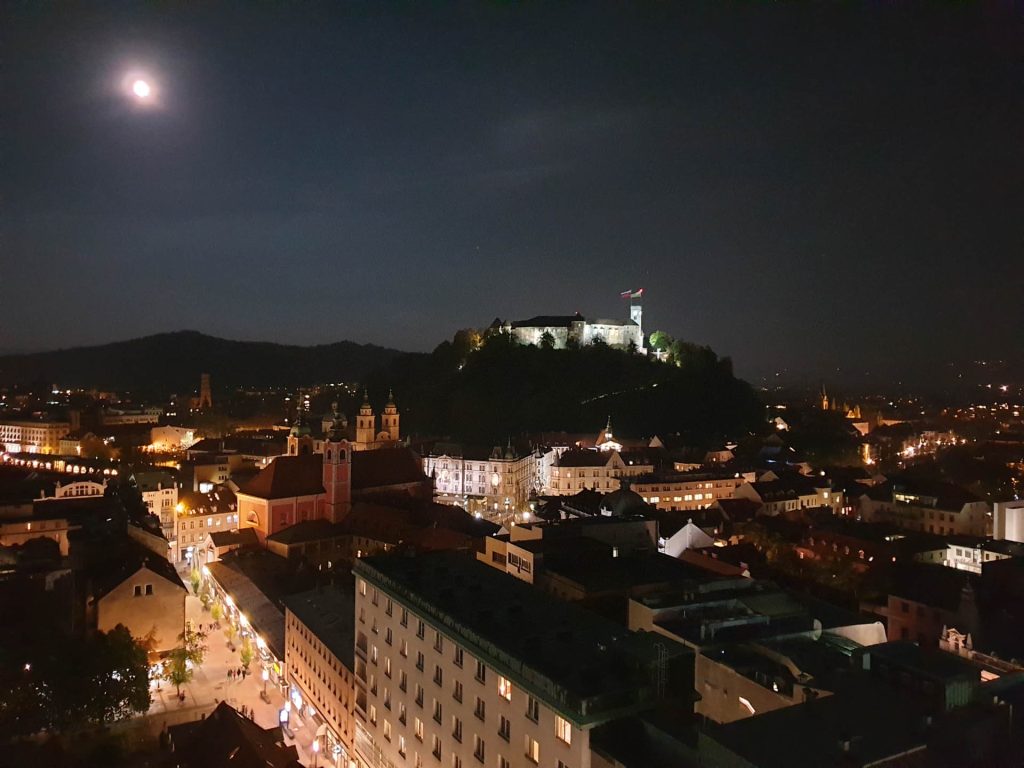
[(172, 362)]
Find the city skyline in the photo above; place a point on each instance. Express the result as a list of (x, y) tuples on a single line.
[(804, 189)]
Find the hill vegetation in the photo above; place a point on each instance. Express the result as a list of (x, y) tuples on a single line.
[(172, 362), (491, 389)]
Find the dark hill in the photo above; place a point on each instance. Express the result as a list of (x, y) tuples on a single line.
[(504, 390), (172, 362)]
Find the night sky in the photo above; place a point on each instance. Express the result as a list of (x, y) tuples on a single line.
[(803, 187)]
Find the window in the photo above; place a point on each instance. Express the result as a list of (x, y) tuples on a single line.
[(562, 765), (458, 657), (503, 762), (362, 588), (387, 699), (478, 748), (420, 629), (481, 671), (401, 713), (403, 680), (532, 709), (373, 714), (388, 607), (419, 695), (563, 729), (437, 711), (457, 729), (457, 691), (479, 711), (138, 591), (438, 642), (404, 650), (388, 637), (505, 688), (387, 730), (387, 665), (419, 660), (373, 654), (505, 728), (456, 761), (436, 751), (401, 745), (418, 728), (149, 589), (404, 621), (532, 750)]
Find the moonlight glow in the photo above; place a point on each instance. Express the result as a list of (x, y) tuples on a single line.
[(141, 89)]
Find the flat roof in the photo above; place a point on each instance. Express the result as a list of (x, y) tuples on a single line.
[(585, 667), (329, 613)]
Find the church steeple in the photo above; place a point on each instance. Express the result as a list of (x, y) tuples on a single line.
[(365, 423), (389, 419)]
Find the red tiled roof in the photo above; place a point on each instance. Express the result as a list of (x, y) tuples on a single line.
[(288, 476), (385, 466)]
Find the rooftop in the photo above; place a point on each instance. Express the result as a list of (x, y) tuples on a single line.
[(329, 613), (585, 667)]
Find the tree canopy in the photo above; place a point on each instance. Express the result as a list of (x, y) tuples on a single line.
[(502, 389)]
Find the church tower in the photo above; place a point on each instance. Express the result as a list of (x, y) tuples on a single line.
[(389, 420), (337, 475), (365, 424)]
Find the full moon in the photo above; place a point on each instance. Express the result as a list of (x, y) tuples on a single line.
[(140, 88)]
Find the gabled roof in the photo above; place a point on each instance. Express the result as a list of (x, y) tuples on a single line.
[(225, 738), (288, 476), (244, 537), (124, 560), (584, 458), (386, 466), (548, 321)]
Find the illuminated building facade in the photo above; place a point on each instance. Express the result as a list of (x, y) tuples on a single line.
[(28, 436)]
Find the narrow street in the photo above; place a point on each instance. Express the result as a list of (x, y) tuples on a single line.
[(211, 685)]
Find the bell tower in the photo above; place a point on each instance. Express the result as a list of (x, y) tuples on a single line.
[(389, 419), (365, 424), (337, 475)]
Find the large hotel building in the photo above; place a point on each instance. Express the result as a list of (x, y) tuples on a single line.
[(459, 665)]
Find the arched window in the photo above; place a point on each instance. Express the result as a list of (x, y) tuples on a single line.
[(328, 454)]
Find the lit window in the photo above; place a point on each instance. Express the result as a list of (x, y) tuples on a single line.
[(533, 750), (505, 688), (563, 729)]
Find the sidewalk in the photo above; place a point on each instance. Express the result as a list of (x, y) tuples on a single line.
[(210, 685)]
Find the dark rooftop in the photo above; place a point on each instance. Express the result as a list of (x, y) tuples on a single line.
[(329, 613), (583, 666)]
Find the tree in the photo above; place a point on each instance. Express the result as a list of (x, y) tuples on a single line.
[(215, 611), (229, 632), (547, 340), (50, 682), (120, 676), (196, 579), (660, 341), (193, 644), (245, 655), (177, 671), (204, 595)]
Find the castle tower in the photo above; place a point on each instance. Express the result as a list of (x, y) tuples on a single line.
[(205, 398), (337, 474), (389, 419), (365, 424)]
